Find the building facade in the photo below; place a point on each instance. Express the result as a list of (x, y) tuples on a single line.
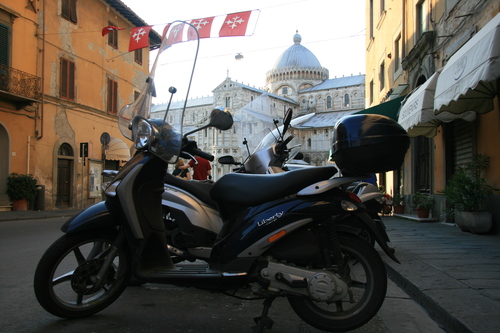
[(409, 44), (63, 84)]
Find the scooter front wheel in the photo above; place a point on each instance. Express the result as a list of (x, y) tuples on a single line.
[(65, 279), (365, 275)]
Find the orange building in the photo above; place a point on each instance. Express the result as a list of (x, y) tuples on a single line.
[(61, 86)]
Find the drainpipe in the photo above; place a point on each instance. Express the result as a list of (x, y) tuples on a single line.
[(42, 106), (28, 156)]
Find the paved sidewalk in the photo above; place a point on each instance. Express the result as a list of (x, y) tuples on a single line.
[(454, 275), (41, 214)]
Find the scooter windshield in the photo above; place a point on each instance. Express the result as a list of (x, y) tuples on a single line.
[(168, 81), (260, 125), (255, 121)]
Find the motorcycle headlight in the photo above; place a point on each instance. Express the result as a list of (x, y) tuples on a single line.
[(144, 134)]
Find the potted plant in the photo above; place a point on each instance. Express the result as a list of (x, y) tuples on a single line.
[(423, 204), (399, 203), (386, 204), (466, 192), (21, 189)]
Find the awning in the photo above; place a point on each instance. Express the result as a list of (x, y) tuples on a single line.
[(389, 109), (468, 82), (117, 150), (417, 116)]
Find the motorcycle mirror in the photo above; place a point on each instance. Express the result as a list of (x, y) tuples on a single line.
[(299, 156), (220, 119), (288, 119), (228, 159)]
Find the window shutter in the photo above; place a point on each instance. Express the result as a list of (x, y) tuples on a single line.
[(4, 45), (110, 87), (65, 9), (64, 79), (112, 106), (68, 10), (67, 80), (73, 11), (71, 80)]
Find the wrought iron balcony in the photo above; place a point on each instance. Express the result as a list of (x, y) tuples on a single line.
[(21, 87)]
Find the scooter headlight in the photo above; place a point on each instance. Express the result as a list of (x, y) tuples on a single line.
[(144, 134)]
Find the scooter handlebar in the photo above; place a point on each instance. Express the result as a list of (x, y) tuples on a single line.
[(202, 154)]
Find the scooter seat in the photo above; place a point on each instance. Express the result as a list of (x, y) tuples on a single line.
[(199, 188), (250, 190)]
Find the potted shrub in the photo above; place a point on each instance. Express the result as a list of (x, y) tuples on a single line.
[(21, 189), (399, 203), (466, 192), (423, 204)]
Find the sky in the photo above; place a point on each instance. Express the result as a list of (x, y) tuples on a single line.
[(333, 30)]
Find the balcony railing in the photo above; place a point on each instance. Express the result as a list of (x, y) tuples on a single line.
[(18, 85)]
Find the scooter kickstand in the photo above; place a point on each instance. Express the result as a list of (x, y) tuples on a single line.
[(264, 321)]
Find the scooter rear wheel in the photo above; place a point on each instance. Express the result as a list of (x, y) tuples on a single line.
[(367, 281), (64, 279)]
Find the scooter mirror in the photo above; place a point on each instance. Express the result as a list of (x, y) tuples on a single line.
[(288, 119), (228, 159), (220, 119)]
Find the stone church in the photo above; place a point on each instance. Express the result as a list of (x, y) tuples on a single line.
[(297, 81)]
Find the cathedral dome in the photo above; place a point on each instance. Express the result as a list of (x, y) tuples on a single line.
[(296, 69), (297, 56)]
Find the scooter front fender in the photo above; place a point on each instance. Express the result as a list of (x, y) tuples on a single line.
[(93, 217)]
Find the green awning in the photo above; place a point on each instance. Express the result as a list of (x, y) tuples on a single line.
[(389, 109)]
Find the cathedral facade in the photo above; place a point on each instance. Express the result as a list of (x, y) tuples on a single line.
[(297, 81)]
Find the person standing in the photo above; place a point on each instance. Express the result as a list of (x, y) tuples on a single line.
[(181, 173), (201, 168)]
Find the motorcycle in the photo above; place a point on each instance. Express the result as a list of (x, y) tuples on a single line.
[(256, 236)]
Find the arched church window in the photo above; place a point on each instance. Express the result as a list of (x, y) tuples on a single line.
[(285, 90), (228, 102), (65, 150), (329, 102), (346, 100)]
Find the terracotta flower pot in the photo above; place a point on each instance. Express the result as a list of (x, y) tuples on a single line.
[(399, 210), (21, 204), (422, 213)]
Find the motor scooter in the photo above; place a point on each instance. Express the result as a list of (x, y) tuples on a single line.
[(270, 235)]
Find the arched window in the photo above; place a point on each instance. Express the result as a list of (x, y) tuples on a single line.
[(329, 102), (65, 150), (346, 100)]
